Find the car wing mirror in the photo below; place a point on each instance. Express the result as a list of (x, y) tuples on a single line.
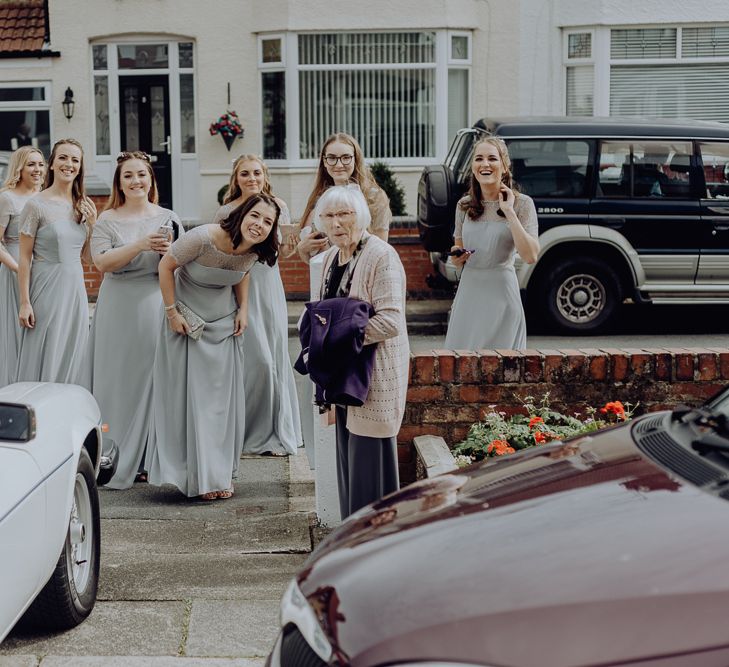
[(17, 423)]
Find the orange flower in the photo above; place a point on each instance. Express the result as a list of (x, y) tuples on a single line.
[(534, 421), (499, 448), (614, 407), (540, 437)]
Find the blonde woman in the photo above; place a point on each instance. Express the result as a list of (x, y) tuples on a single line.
[(55, 226), (273, 425), (341, 162), (25, 178)]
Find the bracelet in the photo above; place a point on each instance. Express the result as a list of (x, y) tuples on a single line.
[(174, 305)]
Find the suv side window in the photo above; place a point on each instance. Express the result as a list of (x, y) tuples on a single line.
[(715, 158), (645, 169), (550, 167)]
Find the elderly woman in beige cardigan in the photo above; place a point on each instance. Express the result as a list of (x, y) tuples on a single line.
[(362, 266)]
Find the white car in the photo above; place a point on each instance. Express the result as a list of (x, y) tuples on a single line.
[(50, 454)]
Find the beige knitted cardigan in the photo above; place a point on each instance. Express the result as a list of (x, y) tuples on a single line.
[(379, 279)]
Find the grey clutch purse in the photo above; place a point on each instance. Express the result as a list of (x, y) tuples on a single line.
[(194, 321)]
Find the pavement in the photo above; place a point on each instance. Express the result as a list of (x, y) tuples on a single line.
[(188, 583), (425, 317)]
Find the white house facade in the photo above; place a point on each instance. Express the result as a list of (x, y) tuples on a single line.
[(401, 76)]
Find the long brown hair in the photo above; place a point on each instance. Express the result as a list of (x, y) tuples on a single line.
[(78, 193), (118, 197), (361, 175), (267, 250), (472, 203), (18, 160), (234, 190)]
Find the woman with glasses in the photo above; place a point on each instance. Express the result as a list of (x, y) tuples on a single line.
[(24, 179), (129, 239), (55, 227), (493, 222), (341, 162), (273, 426), (362, 266)]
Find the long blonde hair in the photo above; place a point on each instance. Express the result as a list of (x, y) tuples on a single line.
[(117, 198), (18, 160), (234, 190), (78, 192), (361, 175)]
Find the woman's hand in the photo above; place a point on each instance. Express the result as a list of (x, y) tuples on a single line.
[(506, 199), (26, 316), (241, 322), (177, 323), (88, 211), (155, 242), (311, 245), (462, 258)]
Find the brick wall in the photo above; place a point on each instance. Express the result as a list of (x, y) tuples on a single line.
[(451, 390)]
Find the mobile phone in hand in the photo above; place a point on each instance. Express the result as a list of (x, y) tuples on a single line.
[(459, 251), (166, 229)]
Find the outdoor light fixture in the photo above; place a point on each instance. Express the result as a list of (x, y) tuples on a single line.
[(68, 104)]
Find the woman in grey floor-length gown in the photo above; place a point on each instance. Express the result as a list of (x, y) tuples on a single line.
[(273, 423), (127, 244), (198, 402), (492, 222), (24, 179), (54, 312)]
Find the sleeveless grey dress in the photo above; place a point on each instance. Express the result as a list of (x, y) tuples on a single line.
[(273, 423), (123, 337), (11, 204), (487, 312), (198, 403), (54, 350)]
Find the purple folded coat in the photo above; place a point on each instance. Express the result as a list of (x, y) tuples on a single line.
[(333, 352)]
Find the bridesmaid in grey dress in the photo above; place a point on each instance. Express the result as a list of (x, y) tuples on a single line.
[(127, 244), (54, 313), (273, 425), (493, 222), (24, 179), (198, 402)]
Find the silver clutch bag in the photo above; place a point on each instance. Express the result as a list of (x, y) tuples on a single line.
[(194, 321)]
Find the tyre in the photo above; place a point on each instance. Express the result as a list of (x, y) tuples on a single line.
[(70, 594), (580, 296)]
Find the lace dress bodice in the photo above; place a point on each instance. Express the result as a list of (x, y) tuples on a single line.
[(197, 246)]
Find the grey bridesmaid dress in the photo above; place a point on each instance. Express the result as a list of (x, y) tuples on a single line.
[(54, 350), (273, 423), (123, 338), (487, 312), (11, 204), (198, 403)]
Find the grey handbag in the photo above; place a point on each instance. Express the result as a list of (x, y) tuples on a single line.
[(194, 321)]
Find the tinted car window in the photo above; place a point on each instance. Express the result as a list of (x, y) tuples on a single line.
[(550, 167), (715, 158), (645, 169)]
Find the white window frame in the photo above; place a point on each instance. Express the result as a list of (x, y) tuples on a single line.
[(32, 105), (292, 68)]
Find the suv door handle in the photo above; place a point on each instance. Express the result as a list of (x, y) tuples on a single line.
[(721, 228), (612, 222), (721, 210)]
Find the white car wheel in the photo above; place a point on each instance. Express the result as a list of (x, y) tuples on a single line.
[(70, 594)]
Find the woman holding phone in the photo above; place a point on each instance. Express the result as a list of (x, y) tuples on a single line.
[(273, 425), (493, 221), (130, 238), (55, 226), (341, 162)]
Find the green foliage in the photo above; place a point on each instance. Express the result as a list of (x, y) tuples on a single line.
[(221, 194), (388, 182), (500, 434)]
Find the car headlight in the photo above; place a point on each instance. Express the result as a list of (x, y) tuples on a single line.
[(296, 609)]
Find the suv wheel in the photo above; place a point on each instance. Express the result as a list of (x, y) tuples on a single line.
[(580, 295)]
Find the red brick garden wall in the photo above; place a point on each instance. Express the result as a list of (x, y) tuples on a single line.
[(451, 390)]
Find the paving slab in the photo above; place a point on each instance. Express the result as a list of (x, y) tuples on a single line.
[(146, 661), (191, 576), (18, 661), (113, 628), (236, 627)]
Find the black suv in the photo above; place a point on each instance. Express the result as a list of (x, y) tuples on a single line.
[(628, 209)]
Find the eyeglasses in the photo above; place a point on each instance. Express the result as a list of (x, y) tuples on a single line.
[(339, 215), (332, 160), (132, 155)]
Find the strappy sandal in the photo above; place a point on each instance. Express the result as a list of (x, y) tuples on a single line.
[(142, 477), (224, 495), (210, 495), (276, 454)]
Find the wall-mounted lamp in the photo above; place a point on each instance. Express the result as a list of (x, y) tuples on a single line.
[(68, 104)]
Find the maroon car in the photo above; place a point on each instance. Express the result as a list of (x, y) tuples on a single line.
[(609, 549)]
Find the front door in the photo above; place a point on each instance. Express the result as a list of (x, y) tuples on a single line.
[(145, 125)]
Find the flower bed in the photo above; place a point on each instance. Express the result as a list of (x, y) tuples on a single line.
[(499, 434)]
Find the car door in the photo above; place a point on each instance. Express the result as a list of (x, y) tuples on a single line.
[(714, 261), (645, 192)]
